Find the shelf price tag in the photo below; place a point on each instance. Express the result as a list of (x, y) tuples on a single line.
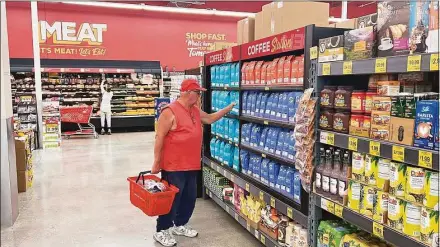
[(328, 205), (232, 178), (236, 216), (433, 62), (210, 194), (325, 69), (339, 210), (398, 153), (347, 68), (377, 230), (425, 159), (266, 88), (257, 234), (381, 65), (353, 143), (261, 195), (225, 173), (327, 138), (247, 187), (263, 239), (248, 226), (289, 212), (212, 164), (266, 122), (414, 63), (218, 169), (227, 209), (263, 155), (313, 52), (375, 148), (206, 191), (272, 202)]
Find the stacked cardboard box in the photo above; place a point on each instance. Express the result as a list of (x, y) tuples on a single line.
[(245, 30), (24, 164), (279, 17)]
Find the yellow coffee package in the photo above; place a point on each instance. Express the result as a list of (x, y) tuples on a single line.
[(358, 166), (415, 184), (396, 208), (371, 169), (431, 198), (429, 226), (397, 179), (411, 220), (354, 195), (383, 174), (367, 201), (380, 209)]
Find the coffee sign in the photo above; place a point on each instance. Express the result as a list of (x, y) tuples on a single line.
[(70, 38), (288, 41), (223, 56)]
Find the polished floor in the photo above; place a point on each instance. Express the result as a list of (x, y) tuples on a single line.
[(80, 198)]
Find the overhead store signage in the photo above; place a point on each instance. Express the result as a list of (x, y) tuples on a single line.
[(70, 38), (283, 42), (227, 55), (87, 70), (198, 44)]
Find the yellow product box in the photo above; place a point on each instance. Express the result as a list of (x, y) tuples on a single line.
[(371, 170), (353, 240), (354, 195), (380, 209), (429, 227), (396, 209), (411, 220), (431, 198), (367, 200), (358, 166), (383, 174), (415, 184), (397, 179)]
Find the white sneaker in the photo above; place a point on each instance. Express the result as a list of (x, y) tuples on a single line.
[(185, 230), (165, 238)]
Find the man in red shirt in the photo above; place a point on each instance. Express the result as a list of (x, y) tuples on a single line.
[(177, 155)]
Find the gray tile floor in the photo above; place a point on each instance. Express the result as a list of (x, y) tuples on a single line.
[(80, 198)]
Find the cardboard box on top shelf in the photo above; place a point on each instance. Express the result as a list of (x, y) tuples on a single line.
[(295, 14), (331, 25), (258, 27), (271, 20), (240, 31), (22, 181), (350, 23), (248, 30)]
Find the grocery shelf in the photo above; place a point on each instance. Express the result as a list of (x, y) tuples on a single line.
[(226, 88), (366, 224), (283, 204), (268, 155), (394, 64), (224, 140), (411, 155), (264, 239), (265, 121), (272, 88)]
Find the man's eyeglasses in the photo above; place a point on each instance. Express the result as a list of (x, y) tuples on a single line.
[(195, 91)]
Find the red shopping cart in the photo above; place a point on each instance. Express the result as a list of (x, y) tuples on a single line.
[(81, 116), (152, 204)]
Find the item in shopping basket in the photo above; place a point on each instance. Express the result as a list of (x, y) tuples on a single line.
[(331, 49), (360, 43), (343, 98), (341, 122), (415, 185), (326, 119), (411, 220), (354, 195), (380, 209), (367, 201), (429, 226), (327, 96), (431, 198)]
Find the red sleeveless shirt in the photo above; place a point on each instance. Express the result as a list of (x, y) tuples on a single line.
[(182, 146)]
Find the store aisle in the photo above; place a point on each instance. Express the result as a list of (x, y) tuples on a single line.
[(80, 198)]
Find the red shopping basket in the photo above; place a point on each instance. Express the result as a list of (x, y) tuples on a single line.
[(152, 204)]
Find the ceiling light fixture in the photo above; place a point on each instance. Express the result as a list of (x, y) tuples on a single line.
[(165, 9)]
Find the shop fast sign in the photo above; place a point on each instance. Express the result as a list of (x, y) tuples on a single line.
[(71, 38)]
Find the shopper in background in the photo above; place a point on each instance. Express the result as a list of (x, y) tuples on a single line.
[(105, 108), (177, 155)]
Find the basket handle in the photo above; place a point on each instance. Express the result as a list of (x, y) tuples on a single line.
[(142, 174)]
